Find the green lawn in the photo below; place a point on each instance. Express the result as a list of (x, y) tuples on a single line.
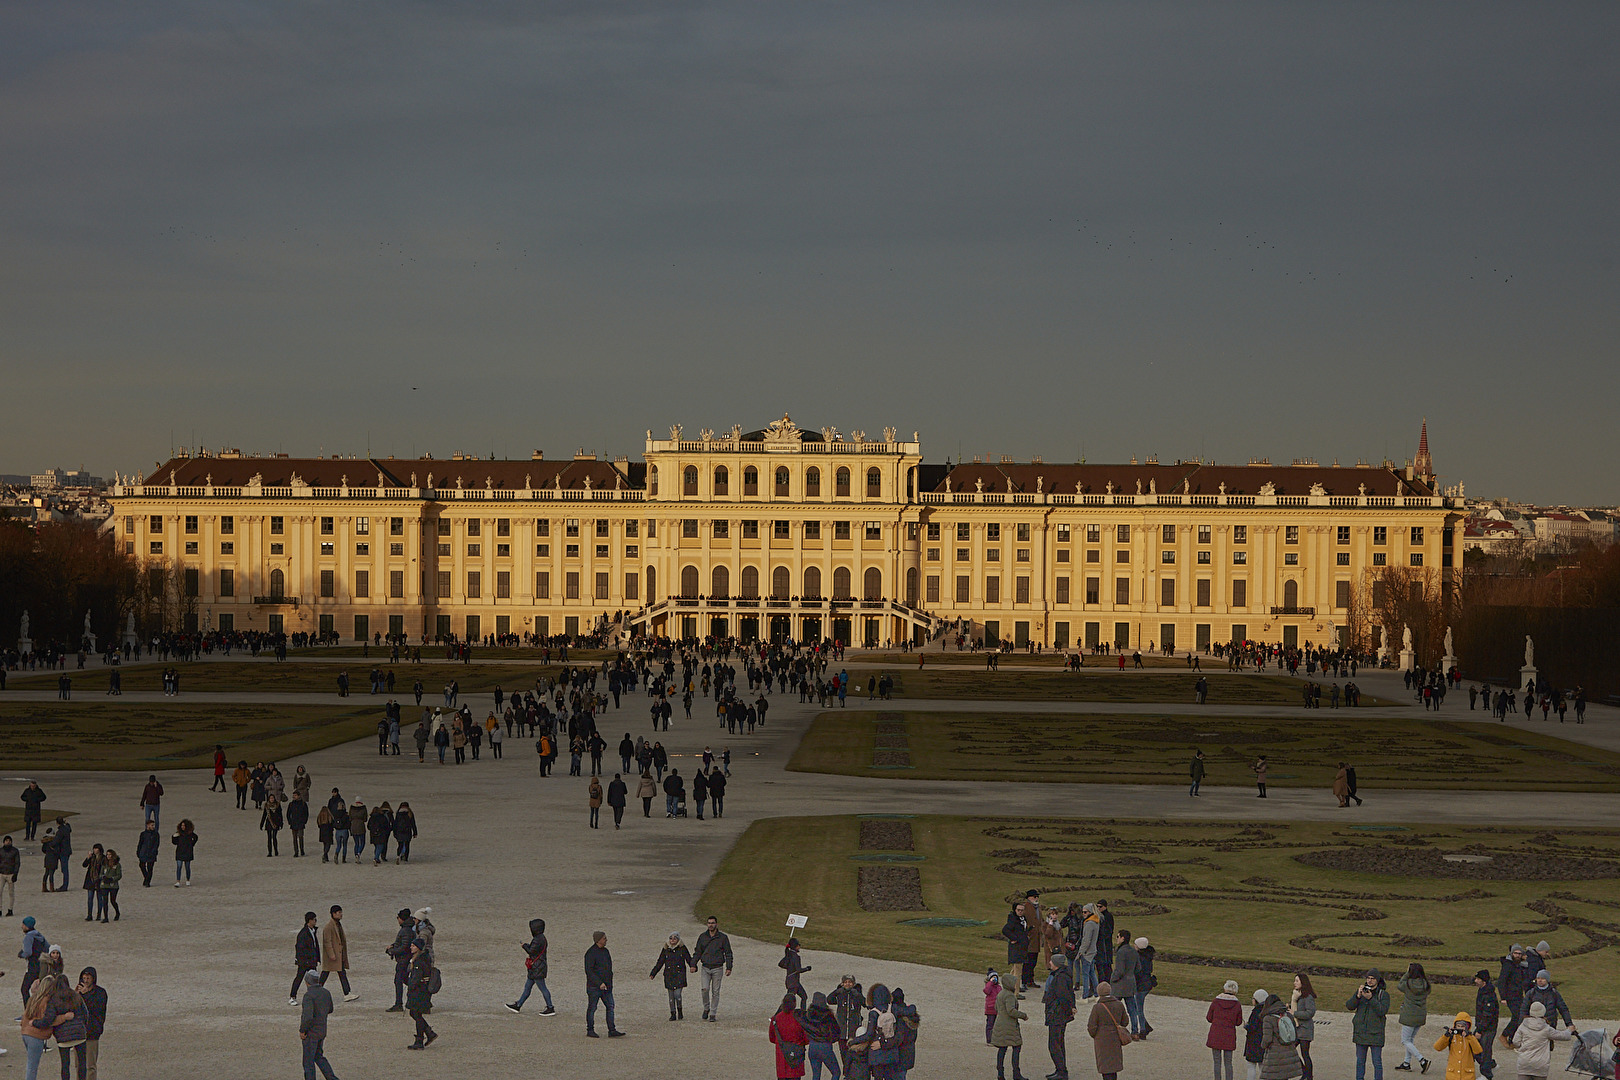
[(945, 684), (267, 675), (1218, 901), (1050, 658), (112, 735), (431, 653), (1156, 749)]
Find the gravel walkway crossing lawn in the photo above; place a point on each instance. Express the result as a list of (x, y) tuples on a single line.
[(198, 977)]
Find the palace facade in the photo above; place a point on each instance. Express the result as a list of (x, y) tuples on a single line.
[(783, 533)]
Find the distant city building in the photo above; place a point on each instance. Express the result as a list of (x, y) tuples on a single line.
[(785, 534), (65, 478)]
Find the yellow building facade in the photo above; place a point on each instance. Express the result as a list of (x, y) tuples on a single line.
[(782, 534)]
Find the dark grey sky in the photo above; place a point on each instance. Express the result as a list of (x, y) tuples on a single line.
[(1039, 228)]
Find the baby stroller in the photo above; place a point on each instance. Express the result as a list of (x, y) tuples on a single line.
[(680, 811), (1591, 1054)]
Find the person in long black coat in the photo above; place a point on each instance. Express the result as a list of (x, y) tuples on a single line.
[(675, 960)]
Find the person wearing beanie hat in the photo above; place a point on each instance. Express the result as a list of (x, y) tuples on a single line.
[(1534, 1041), (1254, 1031), (1463, 1047), (1487, 1013), (1543, 992), (1370, 1004), (1224, 1016), (795, 969), (317, 1006), (34, 948), (1279, 1059), (992, 989), (1108, 1027), (1145, 982), (1058, 999), (1512, 982), (419, 994)]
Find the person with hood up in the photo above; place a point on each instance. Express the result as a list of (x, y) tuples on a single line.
[(906, 1023), (1108, 1031), (1370, 1005), (1254, 1031), (821, 1028), (1058, 997), (675, 960), (1279, 1060), (534, 964), (1552, 1001), (1224, 1016), (992, 990), (1534, 1041), (1414, 987), (1462, 1047), (883, 1023), (1005, 1033)]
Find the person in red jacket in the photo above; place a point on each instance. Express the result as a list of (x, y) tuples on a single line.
[(219, 769), (791, 1044), (992, 987), (1225, 1016)]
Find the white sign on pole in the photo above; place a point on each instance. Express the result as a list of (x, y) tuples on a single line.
[(797, 921)]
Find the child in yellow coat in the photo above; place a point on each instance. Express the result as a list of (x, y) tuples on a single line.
[(1459, 1039)]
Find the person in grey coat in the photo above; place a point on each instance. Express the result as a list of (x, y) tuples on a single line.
[(1127, 963), (312, 1026)]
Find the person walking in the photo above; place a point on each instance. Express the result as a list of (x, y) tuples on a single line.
[(1487, 1014), (674, 960), (335, 953), (323, 832), (270, 820), (599, 985), (1341, 785), (380, 827), (151, 797), (795, 968), (1534, 1041), (419, 993), (1254, 1032), (92, 864), (700, 791), (112, 876), (241, 777), (1414, 987), (219, 769), (1259, 770), (317, 1006), (1058, 999), (1370, 1005), (646, 791), (10, 868), (1224, 1016), (595, 793), (32, 954), (535, 969), (717, 791), (298, 821), (404, 832), (787, 1034), (306, 954), (185, 849), (358, 819), (1109, 1032), (1514, 982), (1196, 770), (714, 959), (146, 852), (399, 950), (1279, 1057), (1005, 1033), (94, 996), (33, 797), (1302, 1007)]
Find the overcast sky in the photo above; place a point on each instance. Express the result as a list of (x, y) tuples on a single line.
[(1073, 230)]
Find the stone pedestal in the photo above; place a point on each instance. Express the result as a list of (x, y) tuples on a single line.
[(1526, 673), (25, 645), (1447, 663), (1408, 659)]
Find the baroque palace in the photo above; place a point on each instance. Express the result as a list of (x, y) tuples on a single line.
[(783, 533)]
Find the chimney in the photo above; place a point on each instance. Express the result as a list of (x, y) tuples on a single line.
[(538, 455)]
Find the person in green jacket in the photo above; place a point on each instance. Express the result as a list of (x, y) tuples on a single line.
[(1370, 1004), (1414, 988)]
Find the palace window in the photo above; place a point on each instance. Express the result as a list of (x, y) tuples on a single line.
[(933, 530), (396, 584), (327, 548), (396, 526), (1203, 592), (632, 551), (326, 526), (1063, 534), (503, 551), (362, 549), (1062, 591), (781, 530), (227, 583), (1380, 558), (874, 530), (750, 481), (1203, 558), (962, 587), (1093, 534), (475, 550), (326, 582), (1093, 555), (1167, 592), (601, 527), (933, 554), (396, 549), (601, 551), (964, 554), (1380, 535), (542, 527), (812, 483), (475, 527), (962, 530), (932, 589), (1093, 590), (1417, 558), (689, 530), (841, 483), (1343, 558), (1203, 534), (721, 529), (275, 526), (782, 476), (571, 551), (721, 480), (1344, 534), (1417, 537), (191, 547), (542, 585), (840, 530), (750, 530), (689, 481), (874, 483), (362, 583), (1020, 590), (1122, 590), (1240, 558), (992, 532), (1022, 554), (1240, 534), (1167, 533), (1240, 593), (571, 527), (362, 526), (652, 480), (1122, 534), (1290, 534), (992, 554), (1291, 558), (1063, 555), (992, 589), (227, 547), (601, 586), (812, 530), (1167, 557)]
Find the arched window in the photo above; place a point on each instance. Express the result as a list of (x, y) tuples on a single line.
[(750, 583), (874, 483), (721, 578), (874, 584), (652, 480), (689, 480), (1290, 594), (652, 584), (781, 481), (750, 481), (720, 480), (689, 581), (278, 584), (812, 583), (841, 583), (841, 482), (812, 483), (781, 582), (911, 586)]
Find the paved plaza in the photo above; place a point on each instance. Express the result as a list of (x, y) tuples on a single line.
[(198, 977)]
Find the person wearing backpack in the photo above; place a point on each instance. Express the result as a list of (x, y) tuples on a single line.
[(1302, 1008), (1278, 1042), (1224, 1016), (421, 985), (906, 1023), (535, 968), (788, 1035)]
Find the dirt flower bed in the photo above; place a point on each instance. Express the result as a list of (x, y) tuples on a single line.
[(889, 888), (1503, 865), (886, 836)]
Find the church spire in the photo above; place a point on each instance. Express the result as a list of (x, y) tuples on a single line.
[(1423, 465)]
